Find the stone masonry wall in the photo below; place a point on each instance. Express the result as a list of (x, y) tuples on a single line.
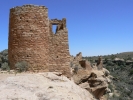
[(59, 49), (31, 40)]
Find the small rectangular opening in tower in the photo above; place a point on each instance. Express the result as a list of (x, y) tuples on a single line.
[(54, 28)]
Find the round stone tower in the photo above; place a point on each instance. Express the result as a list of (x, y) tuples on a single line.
[(28, 36)]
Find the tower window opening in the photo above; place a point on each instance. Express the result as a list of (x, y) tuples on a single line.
[(54, 28)]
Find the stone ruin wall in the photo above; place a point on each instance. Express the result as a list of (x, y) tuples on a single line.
[(31, 39), (100, 63), (80, 63), (28, 32), (59, 49)]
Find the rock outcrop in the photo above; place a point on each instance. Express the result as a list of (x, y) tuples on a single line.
[(95, 81), (40, 86), (93, 78), (100, 63)]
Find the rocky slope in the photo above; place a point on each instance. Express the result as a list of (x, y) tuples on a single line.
[(40, 86), (120, 67), (95, 79)]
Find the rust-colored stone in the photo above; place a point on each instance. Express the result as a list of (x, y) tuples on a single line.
[(31, 39)]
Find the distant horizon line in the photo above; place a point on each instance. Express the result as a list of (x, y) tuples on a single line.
[(97, 55)]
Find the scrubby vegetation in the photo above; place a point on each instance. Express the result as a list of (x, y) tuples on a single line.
[(4, 64), (122, 71), (4, 60), (21, 66)]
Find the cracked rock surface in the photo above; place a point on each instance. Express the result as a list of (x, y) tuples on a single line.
[(40, 86)]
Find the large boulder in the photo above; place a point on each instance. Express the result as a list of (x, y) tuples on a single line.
[(40, 86), (106, 72), (85, 86), (95, 81), (81, 76)]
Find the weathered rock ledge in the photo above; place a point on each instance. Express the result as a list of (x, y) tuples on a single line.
[(40, 86)]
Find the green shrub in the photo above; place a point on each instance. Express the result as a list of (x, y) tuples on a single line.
[(131, 72), (4, 59), (112, 57), (110, 87), (21, 66), (122, 67), (129, 58), (131, 95), (4, 52), (5, 66), (108, 68), (110, 63)]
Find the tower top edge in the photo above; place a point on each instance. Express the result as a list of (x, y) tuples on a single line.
[(29, 5)]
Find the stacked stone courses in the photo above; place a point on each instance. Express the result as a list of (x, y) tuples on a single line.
[(31, 39)]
